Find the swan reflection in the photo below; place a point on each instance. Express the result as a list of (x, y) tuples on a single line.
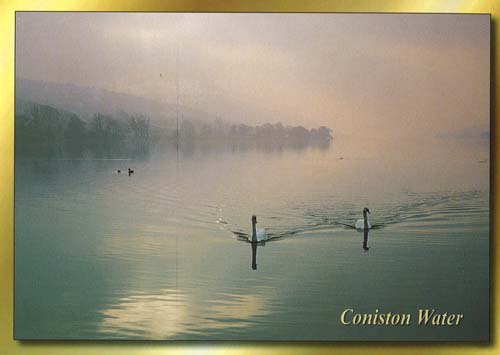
[(254, 256), (365, 240), (254, 253), (254, 245)]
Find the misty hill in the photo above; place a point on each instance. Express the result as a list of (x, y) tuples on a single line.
[(88, 101), (477, 136)]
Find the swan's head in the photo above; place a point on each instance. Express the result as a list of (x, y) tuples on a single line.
[(366, 210), (254, 219)]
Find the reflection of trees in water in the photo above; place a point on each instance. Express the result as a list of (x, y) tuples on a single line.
[(188, 148), (44, 131), (77, 150)]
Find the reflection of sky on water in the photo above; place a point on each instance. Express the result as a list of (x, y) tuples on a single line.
[(170, 313)]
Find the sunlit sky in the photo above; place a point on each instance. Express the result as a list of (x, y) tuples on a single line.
[(393, 75)]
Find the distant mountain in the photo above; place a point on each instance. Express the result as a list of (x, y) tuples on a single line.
[(87, 101), (472, 133)]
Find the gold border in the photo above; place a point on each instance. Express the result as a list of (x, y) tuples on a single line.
[(7, 15)]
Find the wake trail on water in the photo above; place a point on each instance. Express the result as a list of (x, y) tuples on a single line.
[(329, 216)]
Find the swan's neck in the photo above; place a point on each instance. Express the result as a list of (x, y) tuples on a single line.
[(254, 232), (365, 216)]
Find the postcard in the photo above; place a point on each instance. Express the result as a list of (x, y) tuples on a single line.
[(252, 176)]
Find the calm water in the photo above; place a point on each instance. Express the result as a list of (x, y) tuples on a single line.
[(156, 255)]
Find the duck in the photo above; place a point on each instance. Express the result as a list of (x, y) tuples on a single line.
[(363, 223), (130, 171), (258, 234)]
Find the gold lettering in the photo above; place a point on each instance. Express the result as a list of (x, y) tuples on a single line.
[(343, 316)]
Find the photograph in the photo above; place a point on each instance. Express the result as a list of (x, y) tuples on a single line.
[(226, 176)]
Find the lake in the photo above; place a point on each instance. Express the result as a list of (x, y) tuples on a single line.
[(159, 254)]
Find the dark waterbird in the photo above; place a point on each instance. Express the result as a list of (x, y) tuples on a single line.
[(130, 171)]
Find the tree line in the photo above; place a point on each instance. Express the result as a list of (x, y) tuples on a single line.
[(267, 131), (44, 129)]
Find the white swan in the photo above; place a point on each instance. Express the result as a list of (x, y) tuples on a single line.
[(258, 235), (363, 223)]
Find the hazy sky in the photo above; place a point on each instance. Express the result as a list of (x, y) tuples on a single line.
[(397, 75)]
